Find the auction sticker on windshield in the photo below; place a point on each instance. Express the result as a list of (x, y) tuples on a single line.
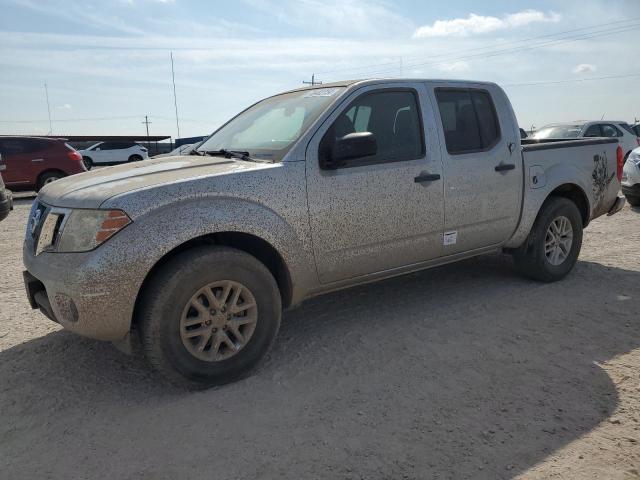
[(321, 92)]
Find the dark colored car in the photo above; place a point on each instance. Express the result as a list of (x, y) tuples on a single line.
[(32, 162), (6, 201)]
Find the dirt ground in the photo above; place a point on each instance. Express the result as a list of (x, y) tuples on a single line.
[(467, 371)]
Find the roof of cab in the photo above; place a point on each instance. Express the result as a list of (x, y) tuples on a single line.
[(370, 81)]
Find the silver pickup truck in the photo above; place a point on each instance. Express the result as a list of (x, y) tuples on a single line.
[(303, 193)]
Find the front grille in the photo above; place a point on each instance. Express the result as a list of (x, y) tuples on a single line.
[(36, 219)]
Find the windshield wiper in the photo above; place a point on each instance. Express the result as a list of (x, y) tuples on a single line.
[(230, 154)]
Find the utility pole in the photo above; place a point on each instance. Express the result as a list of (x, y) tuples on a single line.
[(175, 99), (147, 122), (313, 81), (46, 92)]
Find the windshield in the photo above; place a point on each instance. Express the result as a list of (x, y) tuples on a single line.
[(559, 131), (270, 128)]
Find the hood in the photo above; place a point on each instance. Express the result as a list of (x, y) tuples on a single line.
[(91, 189)]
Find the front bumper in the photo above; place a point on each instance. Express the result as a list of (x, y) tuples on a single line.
[(89, 293)]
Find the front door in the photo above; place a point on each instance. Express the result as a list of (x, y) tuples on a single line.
[(385, 211), (483, 181)]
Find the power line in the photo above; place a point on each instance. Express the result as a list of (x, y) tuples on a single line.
[(95, 119), (515, 50), (573, 80), (501, 44)]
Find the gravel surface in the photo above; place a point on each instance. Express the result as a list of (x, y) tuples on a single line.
[(467, 371)]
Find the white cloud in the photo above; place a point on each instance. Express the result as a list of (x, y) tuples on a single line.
[(64, 106), (585, 68), (337, 17), (475, 24), (454, 67)]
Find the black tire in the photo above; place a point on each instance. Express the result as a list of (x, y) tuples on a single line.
[(88, 163), (48, 177), (171, 290), (135, 158), (633, 200), (531, 259)]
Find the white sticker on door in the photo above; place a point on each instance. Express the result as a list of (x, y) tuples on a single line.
[(450, 238)]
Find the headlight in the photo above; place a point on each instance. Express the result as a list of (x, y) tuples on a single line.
[(84, 230)]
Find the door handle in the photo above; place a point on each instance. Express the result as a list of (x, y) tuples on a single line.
[(503, 167), (426, 177)]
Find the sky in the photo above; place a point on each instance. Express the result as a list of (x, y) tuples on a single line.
[(107, 63)]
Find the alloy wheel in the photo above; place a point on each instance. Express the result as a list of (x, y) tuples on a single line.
[(218, 321)]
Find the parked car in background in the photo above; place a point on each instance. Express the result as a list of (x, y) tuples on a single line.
[(32, 162), (181, 150), (631, 178), (111, 153), (306, 192), (636, 129), (627, 137), (6, 199)]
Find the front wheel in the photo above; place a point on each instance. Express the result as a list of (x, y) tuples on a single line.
[(88, 163), (209, 316), (135, 158), (553, 245), (46, 178)]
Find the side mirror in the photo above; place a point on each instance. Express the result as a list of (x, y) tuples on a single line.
[(352, 145)]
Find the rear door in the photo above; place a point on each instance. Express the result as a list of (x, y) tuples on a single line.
[(483, 166), (16, 161), (382, 212)]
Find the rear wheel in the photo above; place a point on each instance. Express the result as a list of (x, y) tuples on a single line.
[(135, 158), (46, 178), (554, 243), (209, 316), (87, 162)]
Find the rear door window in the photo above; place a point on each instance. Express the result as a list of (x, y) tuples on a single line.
[(610, 131), (469, 120), (12, 146), (593, 131), (34, 145)]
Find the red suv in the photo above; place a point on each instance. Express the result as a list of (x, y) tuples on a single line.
[(31, 162)]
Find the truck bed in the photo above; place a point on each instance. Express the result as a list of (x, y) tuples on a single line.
[(588, 163)]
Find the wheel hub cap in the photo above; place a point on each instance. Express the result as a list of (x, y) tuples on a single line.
[(558, 241), (218, 321)]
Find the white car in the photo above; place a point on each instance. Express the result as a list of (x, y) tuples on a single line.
[(109, 153), (631, 178), (626, 136), (181, 150)]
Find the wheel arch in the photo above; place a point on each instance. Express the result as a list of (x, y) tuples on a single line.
[(49, 170), (573, 192), (246, 242)]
